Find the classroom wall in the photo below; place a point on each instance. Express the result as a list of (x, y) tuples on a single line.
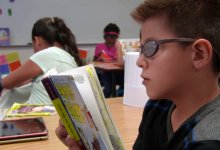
[(86, 18)]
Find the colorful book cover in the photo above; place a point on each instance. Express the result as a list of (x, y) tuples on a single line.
[(20, 110), (60, 108), (78, 111), (4, 37), (8, 63)]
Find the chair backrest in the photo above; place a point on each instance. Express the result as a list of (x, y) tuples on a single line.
[(86, 55), (83, 55)]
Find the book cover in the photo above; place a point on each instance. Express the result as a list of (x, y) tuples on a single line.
[(20, 110), (79, 113), (4, 37), (83, 99), (59, 106)]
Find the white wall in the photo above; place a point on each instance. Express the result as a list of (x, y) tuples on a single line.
[(86, 18), (26, 51)]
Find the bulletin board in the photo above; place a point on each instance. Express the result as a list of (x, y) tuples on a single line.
[(8, 63), (86, 18)]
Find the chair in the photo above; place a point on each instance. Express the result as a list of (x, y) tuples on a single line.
[(83, 55)]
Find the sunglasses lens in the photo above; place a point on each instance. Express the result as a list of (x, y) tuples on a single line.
[(110, 36), (150, 48)]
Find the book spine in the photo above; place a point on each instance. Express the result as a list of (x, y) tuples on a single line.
[(60, 108)]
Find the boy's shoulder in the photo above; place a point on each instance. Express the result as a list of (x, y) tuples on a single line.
[(208, 122), (157, 109), (209, 127)]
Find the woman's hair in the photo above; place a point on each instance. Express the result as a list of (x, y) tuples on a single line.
[(111, 30), (55, 30), (187, 18)]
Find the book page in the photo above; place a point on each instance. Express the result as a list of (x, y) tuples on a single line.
[(100, 98)]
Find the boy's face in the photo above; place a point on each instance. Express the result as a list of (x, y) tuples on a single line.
[(165, 74)]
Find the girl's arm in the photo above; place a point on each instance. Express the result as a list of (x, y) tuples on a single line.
[(120, 53), (22, 75)]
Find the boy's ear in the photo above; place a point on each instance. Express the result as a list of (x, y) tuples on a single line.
[(202, 54)]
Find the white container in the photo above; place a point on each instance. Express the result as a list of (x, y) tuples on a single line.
[(134, 91)]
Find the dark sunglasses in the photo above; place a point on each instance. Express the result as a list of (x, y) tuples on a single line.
[(110, 36), (151, 47)]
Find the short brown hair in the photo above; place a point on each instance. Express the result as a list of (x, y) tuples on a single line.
[(186, 18)]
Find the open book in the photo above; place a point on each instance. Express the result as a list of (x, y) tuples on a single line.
[(80, 103), (20, 110)]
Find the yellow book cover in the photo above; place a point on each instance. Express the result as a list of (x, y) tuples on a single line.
[(20, 110), (60, 108), (78, 111)]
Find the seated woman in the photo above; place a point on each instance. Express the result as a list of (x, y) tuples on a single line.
[(110, 51), (55, 51)]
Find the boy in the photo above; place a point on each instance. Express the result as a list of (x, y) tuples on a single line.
[(179, 58), (180, 61)]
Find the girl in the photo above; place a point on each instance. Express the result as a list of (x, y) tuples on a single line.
[(55, 51)]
